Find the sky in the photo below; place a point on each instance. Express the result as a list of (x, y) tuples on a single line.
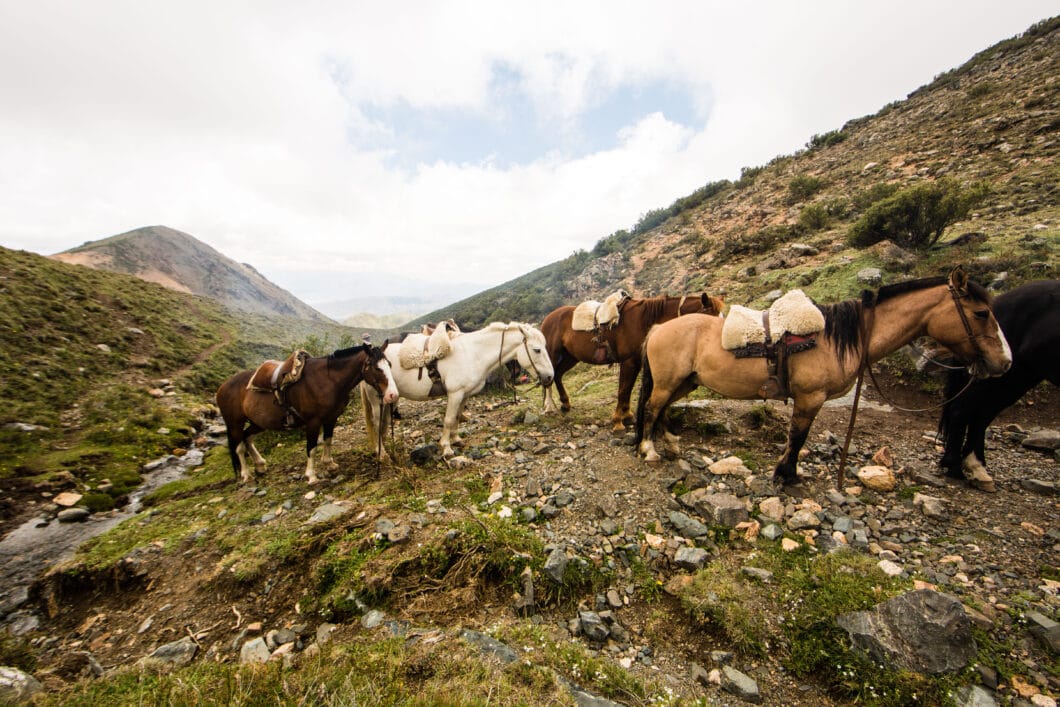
[(382, 148)]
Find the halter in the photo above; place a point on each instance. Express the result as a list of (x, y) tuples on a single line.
[(865, 364), (526, 347)]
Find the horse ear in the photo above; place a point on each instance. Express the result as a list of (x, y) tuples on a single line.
[(959, 280)]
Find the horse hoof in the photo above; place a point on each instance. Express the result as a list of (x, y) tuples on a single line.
[(985, 484)]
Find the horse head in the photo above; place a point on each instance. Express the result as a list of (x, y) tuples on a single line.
[(377, 373), (533, 354), (964, 323)]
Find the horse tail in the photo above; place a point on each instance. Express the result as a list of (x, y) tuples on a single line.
[(647, 384), (369, 415)]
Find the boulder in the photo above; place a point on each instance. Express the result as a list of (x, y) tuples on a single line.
[(177, 654), (877, 478), (922, 630), (16, 686)]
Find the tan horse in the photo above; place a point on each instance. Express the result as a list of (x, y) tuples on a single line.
[(316, 401), (567, 347), (685, 353)]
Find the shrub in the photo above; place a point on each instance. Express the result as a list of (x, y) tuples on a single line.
[(877, 192), (802, 187), (814, 217), (747, 176), (832, 137), (916, 217)]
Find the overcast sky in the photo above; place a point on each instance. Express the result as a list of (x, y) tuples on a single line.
[(376, 147)]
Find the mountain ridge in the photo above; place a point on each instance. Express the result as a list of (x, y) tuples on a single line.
[(181, 262)]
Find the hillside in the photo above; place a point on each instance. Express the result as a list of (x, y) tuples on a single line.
[(547, 564), (994, 120), (181, 262)]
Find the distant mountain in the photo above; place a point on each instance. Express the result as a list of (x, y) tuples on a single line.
[(181, 262), (368, 320), (994, 121)]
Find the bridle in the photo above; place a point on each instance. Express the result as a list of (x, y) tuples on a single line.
[(865, 333), (526, 347)]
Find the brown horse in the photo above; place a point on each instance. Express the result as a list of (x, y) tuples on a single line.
[(316, 400), (567, 347), (687, 352)]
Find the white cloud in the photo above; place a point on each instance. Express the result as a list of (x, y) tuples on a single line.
[(250, 125)]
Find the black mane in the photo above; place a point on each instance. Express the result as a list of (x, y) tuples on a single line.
[(842, 320), (352, 351)]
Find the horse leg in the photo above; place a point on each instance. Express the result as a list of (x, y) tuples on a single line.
[(802, 417), (312, 435), (453, 408), (565, 363), (235, 451), (329, 432), (627, 376), (672, 441), (973, 454), (259, 461)]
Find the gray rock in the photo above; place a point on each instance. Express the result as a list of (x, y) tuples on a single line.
[(16, 686), (772, 532), (688, 527), (843, 524), (690, 558), (284, 636), (1043, 488), (398, 534), (254, 651), (556, 565), (177, 653), (528, 514), (73, 515), (922, 630), (721, 657), (14, 599), (1045, 630), (372, 619), (1044, 440), (764, 576), (490, 646), (870, 276), (592, 626), (739, 684), (326, 512), (975, 696), (384, 526), (324, 632), (804, 519), (425, 454), (720, 508)]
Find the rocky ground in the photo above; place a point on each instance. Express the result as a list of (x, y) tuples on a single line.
[(590, 499)]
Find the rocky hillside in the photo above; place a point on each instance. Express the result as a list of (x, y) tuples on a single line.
[(181, 262), (995, 120)]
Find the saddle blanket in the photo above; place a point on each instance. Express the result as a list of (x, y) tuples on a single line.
[(794, 313), (275, 375), (417, 350), (590, 315)]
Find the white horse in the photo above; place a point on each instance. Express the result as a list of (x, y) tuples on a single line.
[(463, 372)]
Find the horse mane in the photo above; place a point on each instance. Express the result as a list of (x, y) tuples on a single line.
[(654, 307), (351, 351), (842, 320)]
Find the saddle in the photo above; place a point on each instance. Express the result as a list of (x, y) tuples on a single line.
[(435, 346), (789, 326), (600, 318), (276, 377)]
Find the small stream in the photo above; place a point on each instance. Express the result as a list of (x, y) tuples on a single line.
[(37, 545)]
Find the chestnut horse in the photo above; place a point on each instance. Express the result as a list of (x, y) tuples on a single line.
[(1030, 318), (567, 347), (317, 400), (687, 352)]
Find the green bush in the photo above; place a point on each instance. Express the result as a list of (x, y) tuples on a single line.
[(916, 217), (832, 137), (814, 217), (877, 192), (802, 187)]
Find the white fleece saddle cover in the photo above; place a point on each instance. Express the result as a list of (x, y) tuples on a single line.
[(417, 350), (590, 315), (794, 313)]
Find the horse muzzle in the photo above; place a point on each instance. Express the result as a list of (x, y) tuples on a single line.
[(545, 380), (390, 397), (983, 369)]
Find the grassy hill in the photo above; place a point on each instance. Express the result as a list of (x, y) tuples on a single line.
[(993, 121), (81, 349)]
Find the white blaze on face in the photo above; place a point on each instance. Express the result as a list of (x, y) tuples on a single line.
[(1004, 343), (391, 393)]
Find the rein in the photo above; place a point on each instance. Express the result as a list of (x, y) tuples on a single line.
[(866, 364), (500, 364)]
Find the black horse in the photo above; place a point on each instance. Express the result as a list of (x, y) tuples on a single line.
[(1030, 318)]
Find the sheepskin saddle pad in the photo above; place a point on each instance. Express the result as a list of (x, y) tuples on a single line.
[(418, 350), (277, 375), (794, 313), (591, 315)]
